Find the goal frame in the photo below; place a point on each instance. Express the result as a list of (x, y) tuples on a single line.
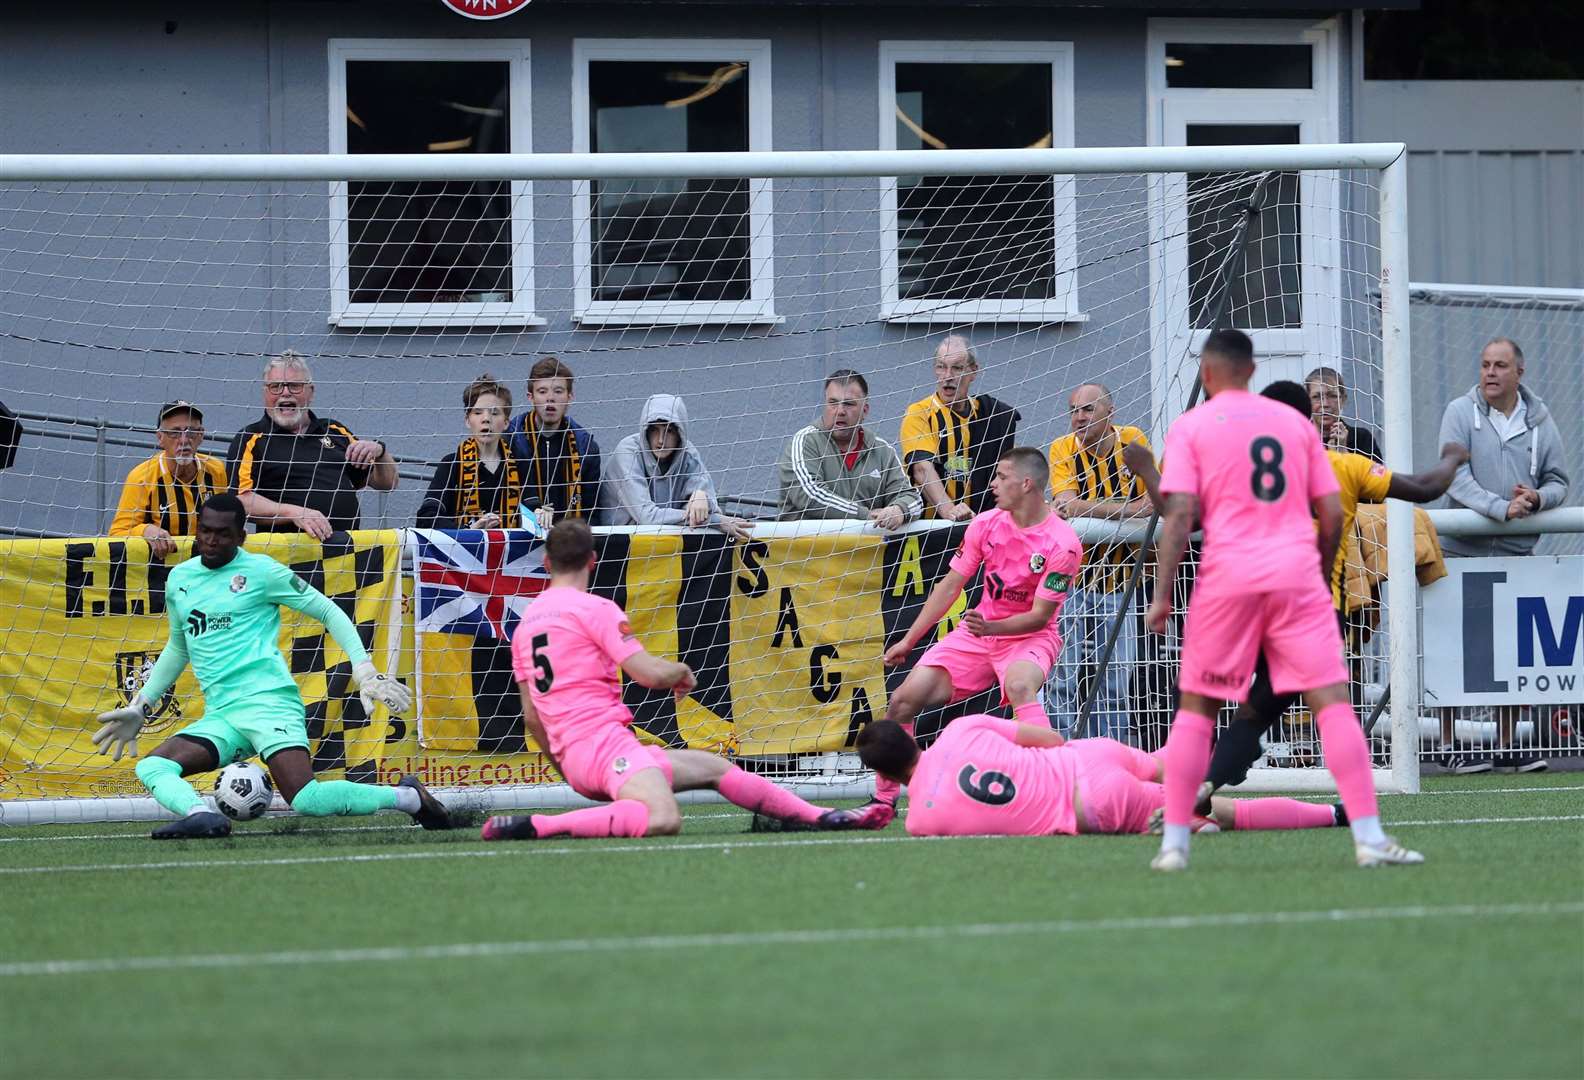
[(1389, 160)]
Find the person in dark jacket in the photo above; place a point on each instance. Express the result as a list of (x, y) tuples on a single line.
[(479, 486)]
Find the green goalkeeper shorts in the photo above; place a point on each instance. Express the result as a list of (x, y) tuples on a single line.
[(270, 721)]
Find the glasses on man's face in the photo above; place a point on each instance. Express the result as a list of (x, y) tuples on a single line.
[(278, 387), (183, 434)]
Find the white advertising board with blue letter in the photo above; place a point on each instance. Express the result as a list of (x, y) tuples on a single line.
[(1506, 631)]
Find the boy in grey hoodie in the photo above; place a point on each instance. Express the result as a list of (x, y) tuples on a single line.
[(1515, 465), (657, 477)]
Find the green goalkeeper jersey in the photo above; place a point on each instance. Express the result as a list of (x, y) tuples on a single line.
[(227, 622)]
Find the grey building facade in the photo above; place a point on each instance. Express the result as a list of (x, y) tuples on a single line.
[(145, 293)]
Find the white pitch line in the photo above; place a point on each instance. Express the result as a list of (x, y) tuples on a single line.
[(254, 834), (646, 847), (760, 939)]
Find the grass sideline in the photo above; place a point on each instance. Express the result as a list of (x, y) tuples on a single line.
[(357, 948)]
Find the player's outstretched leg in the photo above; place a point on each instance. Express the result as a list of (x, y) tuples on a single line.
[(1187, 757), (292, 772), (163, 773), (1347, 757), (643, 805), (624, 817), (696, 769)]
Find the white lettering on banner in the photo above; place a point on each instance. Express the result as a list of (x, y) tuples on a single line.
[(1505, 631)]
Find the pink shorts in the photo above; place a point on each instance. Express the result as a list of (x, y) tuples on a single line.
[(978, 663), (598, 767), (1117, 792), (1225, 633)]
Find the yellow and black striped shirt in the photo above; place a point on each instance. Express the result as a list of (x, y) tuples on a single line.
[(963, 449), (1076, 471), (153, 495)]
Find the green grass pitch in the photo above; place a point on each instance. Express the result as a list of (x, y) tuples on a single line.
[(358, 948)]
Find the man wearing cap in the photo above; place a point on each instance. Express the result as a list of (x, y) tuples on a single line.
[(161, 496), (294, 470)]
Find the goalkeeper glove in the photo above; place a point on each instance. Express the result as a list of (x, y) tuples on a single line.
[(121, 727), (374, 686)]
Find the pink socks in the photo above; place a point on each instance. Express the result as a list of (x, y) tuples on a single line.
[(1281, 814), (889, 790), (624, 817), (1031, 712), (755, 793), (1187, 760), (1347, 756)]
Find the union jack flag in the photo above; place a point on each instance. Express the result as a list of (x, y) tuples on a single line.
[(476, 581)]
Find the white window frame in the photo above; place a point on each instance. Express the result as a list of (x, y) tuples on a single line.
[(1316, 112), (519, 311), (759, 307), (1063, 306)]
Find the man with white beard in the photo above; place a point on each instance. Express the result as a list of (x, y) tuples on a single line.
[(295, 470)]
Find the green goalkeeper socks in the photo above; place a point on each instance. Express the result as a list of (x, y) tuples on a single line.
[(163, 778), (326, 798)]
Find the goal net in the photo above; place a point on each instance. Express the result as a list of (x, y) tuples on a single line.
[(734, 282)]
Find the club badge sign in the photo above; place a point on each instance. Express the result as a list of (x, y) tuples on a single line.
[(485, 9)]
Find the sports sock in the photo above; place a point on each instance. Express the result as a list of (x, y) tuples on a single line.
[(1347, 757), (755, 793), (888, 790), (624, 817), (328, 798), (1031, 712), (1187, 756), (163, 778), (408, 801), (1281, 814)]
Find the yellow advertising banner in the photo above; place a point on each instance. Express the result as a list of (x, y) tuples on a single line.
[(82, 621)]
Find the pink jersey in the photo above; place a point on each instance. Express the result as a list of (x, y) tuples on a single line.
[(1255, 465), (568, 649), (977, 781), (1020, 564)]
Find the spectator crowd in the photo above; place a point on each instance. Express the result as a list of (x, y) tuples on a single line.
[(295, 469)]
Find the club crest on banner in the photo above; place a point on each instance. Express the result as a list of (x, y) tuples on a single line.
[(485, 9), (132, 671)]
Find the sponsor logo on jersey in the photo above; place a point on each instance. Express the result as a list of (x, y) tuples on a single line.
[(300, 585), (626, 630), (238, 583), (1057, 583), (1036, 562), (200, 623)]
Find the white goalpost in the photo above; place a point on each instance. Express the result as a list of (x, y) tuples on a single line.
[(737, 281)]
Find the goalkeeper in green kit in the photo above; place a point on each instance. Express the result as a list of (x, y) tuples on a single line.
[(224, 609)]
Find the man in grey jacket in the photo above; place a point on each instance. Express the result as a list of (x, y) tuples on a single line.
[(657, 476), (1514, 470), (838, 469), (1515, 452)]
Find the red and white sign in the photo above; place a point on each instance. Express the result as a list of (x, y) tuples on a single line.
[(486, 9)]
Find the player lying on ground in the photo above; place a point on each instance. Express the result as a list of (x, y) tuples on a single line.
[(224, 608), (1030, 556), (1360, 480), (986, 776), (1253, 470), (566, 653)]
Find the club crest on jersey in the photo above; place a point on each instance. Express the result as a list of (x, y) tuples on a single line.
[(619, 766), (1036, 562), (238, 583), (326, 441)]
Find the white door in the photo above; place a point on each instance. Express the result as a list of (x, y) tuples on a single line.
[(1283, 288)]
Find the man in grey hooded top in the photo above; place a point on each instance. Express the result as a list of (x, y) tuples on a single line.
[(657, 477), (1515, 465)]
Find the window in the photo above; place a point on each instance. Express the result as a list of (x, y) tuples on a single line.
[(430, 253), (655, 252), (1238, 66), (986, 248)]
